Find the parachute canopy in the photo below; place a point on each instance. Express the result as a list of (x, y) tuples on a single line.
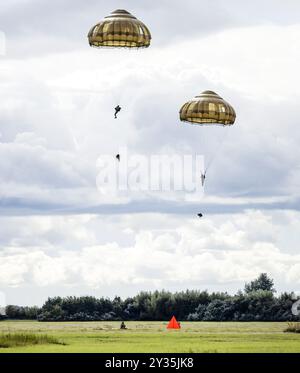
[(208, 108), (120, 30)]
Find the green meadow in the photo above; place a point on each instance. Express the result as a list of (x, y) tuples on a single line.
[(33, 336)]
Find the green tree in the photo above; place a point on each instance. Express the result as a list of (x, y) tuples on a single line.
[(263, 282)]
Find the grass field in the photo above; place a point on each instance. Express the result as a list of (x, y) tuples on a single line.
[(153, 337)]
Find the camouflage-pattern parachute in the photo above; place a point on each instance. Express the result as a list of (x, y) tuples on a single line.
[(208, 108), (120, 30)]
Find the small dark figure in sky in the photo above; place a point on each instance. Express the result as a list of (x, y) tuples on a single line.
[(199, 215), (118, 157), (117, 109)]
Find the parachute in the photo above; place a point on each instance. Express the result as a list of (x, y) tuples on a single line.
[(209, 110), (120, 30)]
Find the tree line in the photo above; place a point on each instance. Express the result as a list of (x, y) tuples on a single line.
[(257, 302)]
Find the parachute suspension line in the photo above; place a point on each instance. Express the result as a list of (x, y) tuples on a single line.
[(117, 97), (216, 152), (73, 137)]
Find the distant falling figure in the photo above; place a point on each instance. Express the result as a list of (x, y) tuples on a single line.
[(202, 179), (117, 110), (118, 157), (199, 215)]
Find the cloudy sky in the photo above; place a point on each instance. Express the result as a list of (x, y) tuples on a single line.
[(59, 235)]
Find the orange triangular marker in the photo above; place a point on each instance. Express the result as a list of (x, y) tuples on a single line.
[(173, 324)]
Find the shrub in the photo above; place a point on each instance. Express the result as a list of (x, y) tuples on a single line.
[(25, 339), (293, 327)]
